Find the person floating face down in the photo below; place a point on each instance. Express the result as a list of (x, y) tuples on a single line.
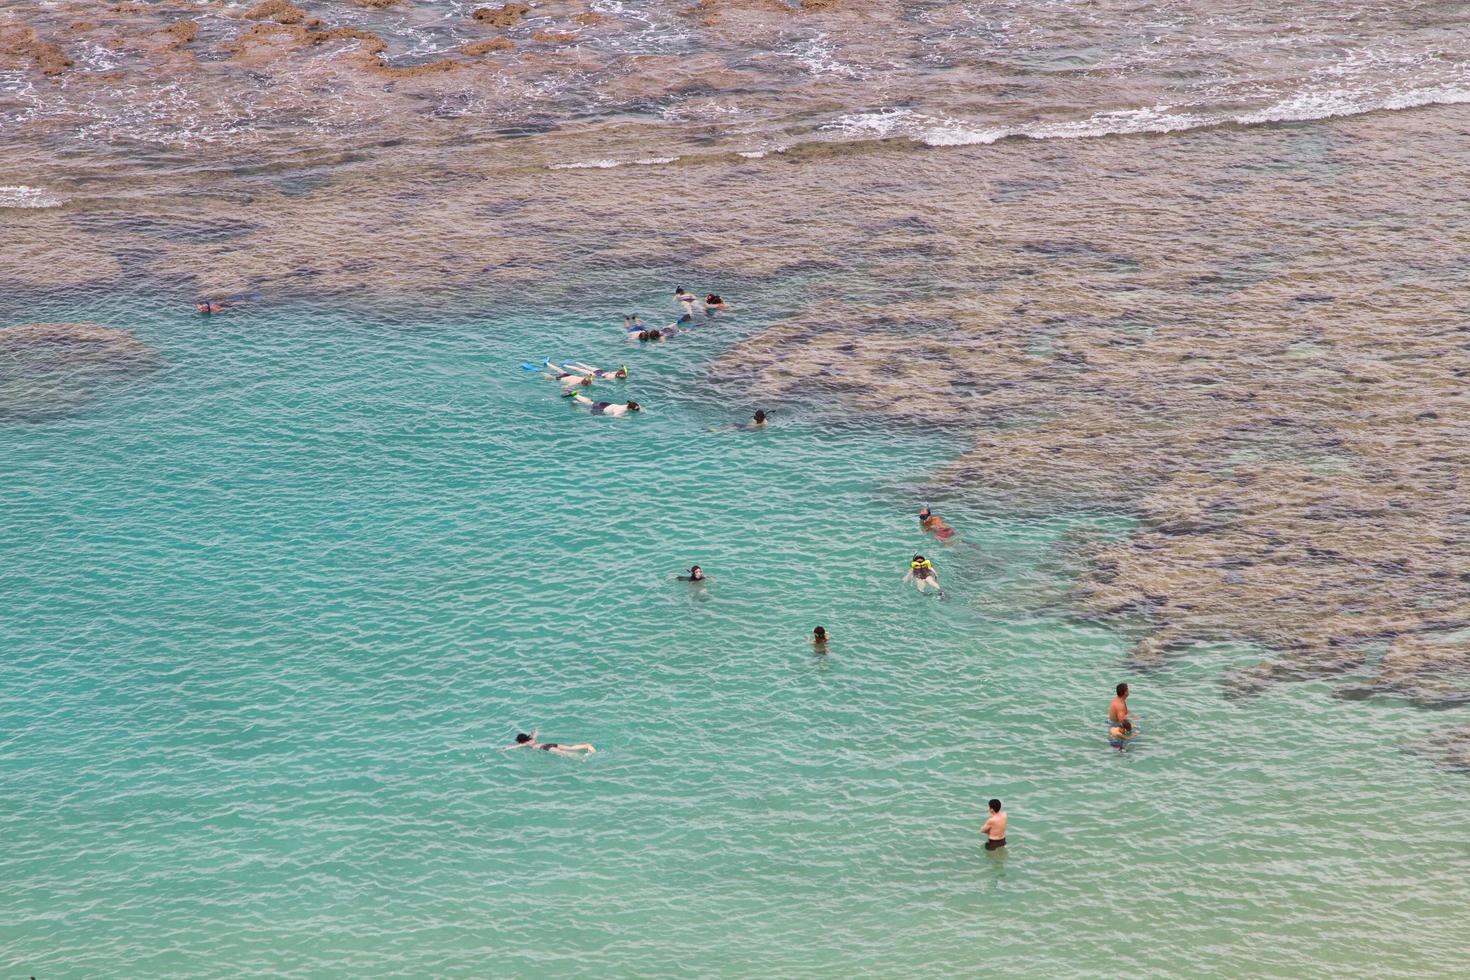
[(524, 741), (610, 409), (685, 299), (931, 523), (921, 572)]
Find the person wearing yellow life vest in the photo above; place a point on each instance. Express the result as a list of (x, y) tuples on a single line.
[(921, 571)]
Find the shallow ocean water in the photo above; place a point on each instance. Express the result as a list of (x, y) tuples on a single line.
[(271, 612)]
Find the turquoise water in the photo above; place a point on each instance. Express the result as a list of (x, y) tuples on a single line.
[(271, 612)]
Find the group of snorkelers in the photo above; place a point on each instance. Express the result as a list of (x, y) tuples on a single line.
[(635, 329), (574, 375)]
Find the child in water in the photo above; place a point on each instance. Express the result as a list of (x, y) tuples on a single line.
[(1120, 734)]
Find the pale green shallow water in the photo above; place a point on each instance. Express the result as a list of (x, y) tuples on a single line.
[(268, 617)]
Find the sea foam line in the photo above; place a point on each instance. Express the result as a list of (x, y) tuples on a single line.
[(933, 130), (22, 196)]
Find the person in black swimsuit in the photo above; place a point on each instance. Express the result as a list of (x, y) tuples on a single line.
[(524, 741)]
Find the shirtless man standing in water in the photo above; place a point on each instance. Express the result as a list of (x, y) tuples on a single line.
[(994, 829), (1118, 710)]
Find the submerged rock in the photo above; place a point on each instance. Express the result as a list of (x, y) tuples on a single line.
[(49, 370)]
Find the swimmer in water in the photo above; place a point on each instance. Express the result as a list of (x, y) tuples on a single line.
[(921, 571), (207, 307), (567, 379), (1119, 735), (524, 741), (713, 304), (758, 420), (994, 828), (819, 640), (612, 409), (632, 321), (932, 524), (577, 367), (685, 299), (696, 575)]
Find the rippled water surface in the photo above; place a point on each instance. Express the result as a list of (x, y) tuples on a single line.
[(1161, 305), (271, 615)]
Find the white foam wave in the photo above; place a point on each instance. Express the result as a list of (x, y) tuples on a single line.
[(934, 130), (22, 196), (605, 164)]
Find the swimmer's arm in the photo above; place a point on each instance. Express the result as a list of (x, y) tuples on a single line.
[(908, 576)]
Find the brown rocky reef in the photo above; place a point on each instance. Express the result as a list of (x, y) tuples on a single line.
[(1299, 491), (48, 370)]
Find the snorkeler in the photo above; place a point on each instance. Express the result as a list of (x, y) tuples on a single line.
[(613, 409), (713, 304), (921, 570), (524, 741), (994, 828), (208, 306), (819, 639), (932, 524), (758, 420), (1120, 733), (568, 379), (696, 574), (685, 299), (577, 367)]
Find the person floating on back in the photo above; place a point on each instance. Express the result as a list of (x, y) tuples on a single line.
[(921, 572), (930, 523), (612, 409), (994, 828), (524, 741)]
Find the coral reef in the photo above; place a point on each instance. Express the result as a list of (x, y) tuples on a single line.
[(48, 370)]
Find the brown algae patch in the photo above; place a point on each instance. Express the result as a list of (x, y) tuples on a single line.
[(49, 370)]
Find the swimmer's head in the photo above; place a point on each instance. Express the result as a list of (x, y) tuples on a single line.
[(819, 634), (759, 416), (678, 290), (584, 381), (1127, 726), (695, 572), (1122, 690), (202, 306), (926, 513), (995, 806), (634, 407), (621, 372), (522, 738), (918, 559)]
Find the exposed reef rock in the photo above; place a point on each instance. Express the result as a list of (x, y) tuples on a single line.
[(279, 11), (20, 45), (506, 16), (475, 48), (49, 370)]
